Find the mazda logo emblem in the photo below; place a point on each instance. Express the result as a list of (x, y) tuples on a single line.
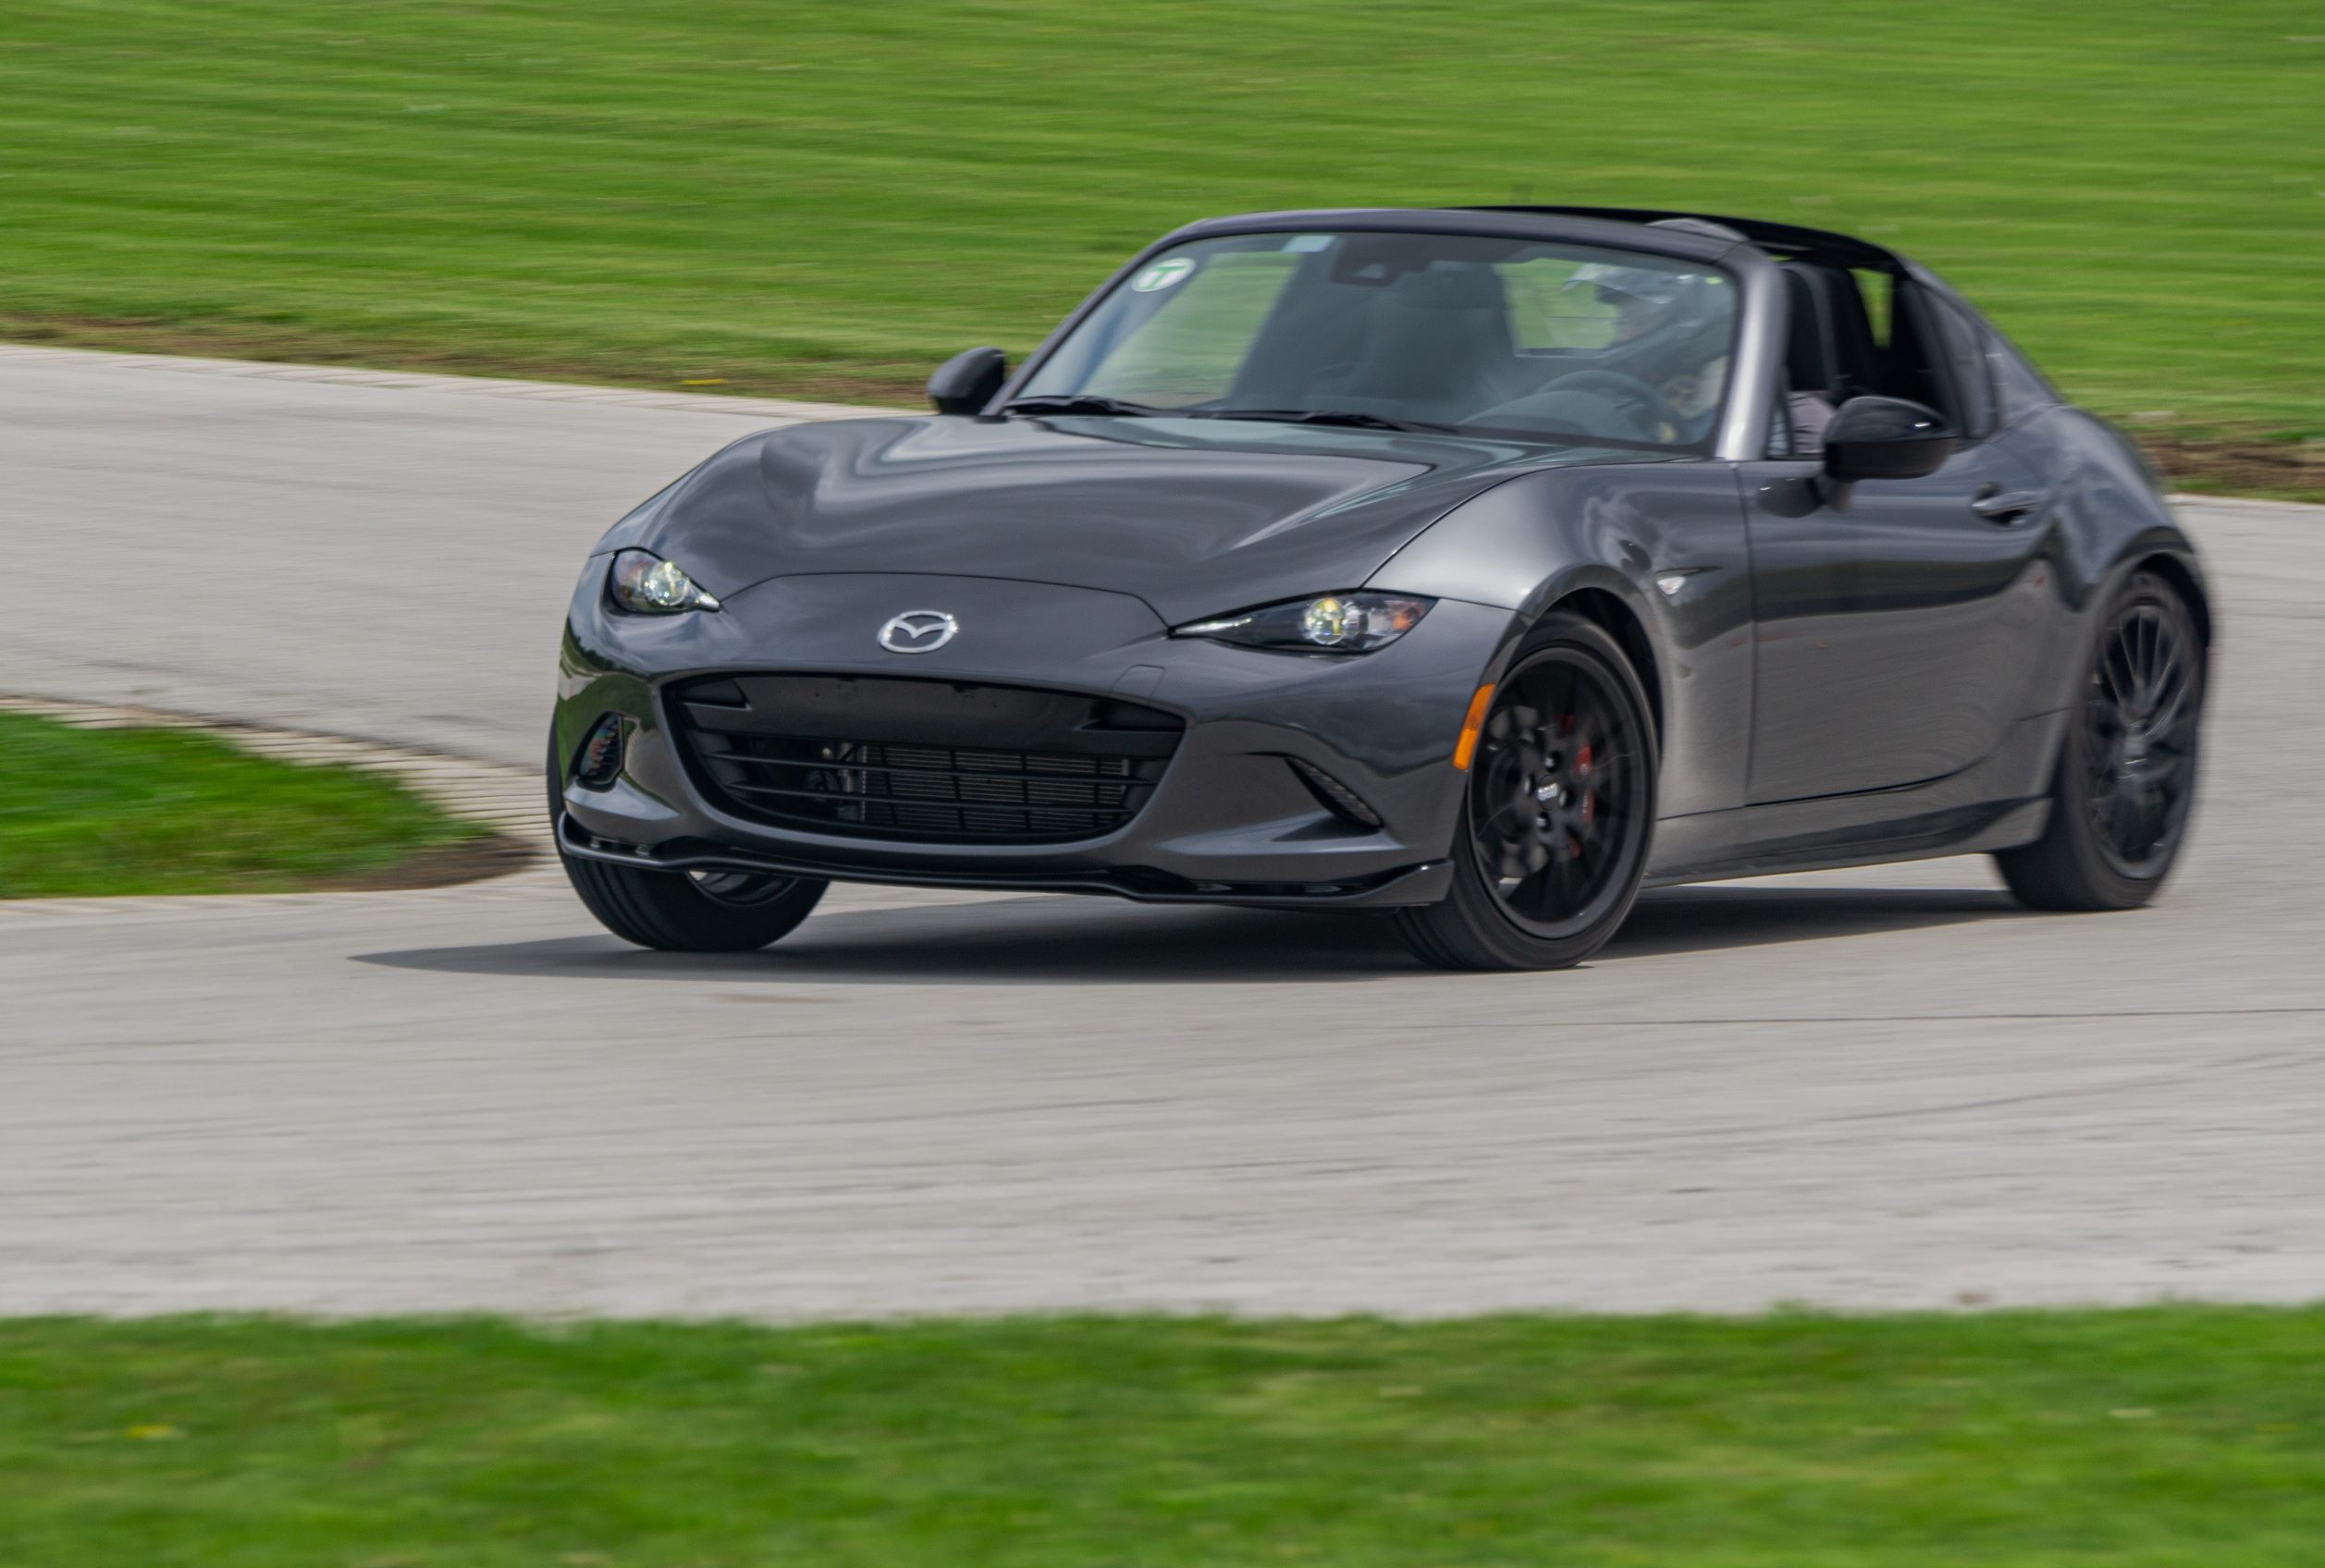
[(918, 631)]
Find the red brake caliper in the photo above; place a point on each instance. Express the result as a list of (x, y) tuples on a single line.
[(1582, 767)]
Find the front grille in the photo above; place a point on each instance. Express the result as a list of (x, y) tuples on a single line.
[(929, 760)]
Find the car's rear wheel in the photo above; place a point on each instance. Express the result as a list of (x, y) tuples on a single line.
[(2126, 775), (1558, 815), (697, 912)]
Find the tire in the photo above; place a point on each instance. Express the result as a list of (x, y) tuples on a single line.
[(1558, 812), (684, 912), (2126, 776)]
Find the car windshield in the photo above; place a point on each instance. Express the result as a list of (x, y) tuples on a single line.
[(1505, 337)]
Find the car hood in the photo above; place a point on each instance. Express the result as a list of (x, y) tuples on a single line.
[(1196, 517)]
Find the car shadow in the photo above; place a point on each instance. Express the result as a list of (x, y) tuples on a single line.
[(1067, 940), (1698, 919)]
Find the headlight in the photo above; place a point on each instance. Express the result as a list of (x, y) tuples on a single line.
[(1333, 623), (647, 584)]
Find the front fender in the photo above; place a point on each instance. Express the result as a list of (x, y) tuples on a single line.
[(1666, 543)]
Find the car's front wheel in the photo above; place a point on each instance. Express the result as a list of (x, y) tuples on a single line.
[(1559, 812), (692, 912), (687, 912)]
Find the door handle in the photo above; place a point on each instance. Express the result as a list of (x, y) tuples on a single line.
[(1997, 505)]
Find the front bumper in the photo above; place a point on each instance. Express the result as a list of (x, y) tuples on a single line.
[(1229, 822)]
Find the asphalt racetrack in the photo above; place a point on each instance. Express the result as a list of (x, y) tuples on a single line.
[(1875, 1088)]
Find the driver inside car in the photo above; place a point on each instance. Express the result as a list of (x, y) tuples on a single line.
[(1673, 329)]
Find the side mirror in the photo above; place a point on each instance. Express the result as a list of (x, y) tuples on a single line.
[(1886, 438), (966, 381)]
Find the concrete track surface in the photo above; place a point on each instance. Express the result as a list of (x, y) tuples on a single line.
[(1876, 1088)]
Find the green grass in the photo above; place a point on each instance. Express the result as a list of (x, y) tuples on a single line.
[(2178, 1436), (827, 199), (104, 812)]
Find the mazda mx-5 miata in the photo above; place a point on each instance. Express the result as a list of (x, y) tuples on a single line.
[(1480, 567)]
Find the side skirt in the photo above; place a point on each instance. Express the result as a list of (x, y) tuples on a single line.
[(1993, 805), (1967, 830)]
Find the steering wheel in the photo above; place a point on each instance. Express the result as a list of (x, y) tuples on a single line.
[(1627, 387)]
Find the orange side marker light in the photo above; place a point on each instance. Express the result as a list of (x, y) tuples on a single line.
[(1473, 726)]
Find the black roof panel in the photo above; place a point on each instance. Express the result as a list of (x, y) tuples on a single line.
[(1514, 222), (1786, 238)]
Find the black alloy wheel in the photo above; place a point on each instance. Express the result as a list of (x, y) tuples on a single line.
[(2127, 773), (1559, 812), (1553, 794)]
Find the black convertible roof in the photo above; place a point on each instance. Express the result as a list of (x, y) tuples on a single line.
[(1786, 241), (1784, 238)]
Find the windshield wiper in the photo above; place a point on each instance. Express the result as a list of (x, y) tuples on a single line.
[(1080, 403), (1349, 417), (1092, 403)]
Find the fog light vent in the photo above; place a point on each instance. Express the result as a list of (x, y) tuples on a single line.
[(601, 761), (1336, 797)]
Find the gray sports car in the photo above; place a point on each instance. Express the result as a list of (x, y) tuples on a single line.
[(1480, 567)]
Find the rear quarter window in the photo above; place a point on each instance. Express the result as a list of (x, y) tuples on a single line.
[(1961, 343), (2019, 387)]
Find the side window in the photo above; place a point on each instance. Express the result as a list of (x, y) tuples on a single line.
[(1911, 358), (1874, 289), (1920, 360), (1962, 346), (1780, 440)]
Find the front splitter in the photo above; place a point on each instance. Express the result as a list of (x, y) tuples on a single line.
[(1424, 883)]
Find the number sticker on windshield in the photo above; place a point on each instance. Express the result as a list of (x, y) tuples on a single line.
[(1161, 274)]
